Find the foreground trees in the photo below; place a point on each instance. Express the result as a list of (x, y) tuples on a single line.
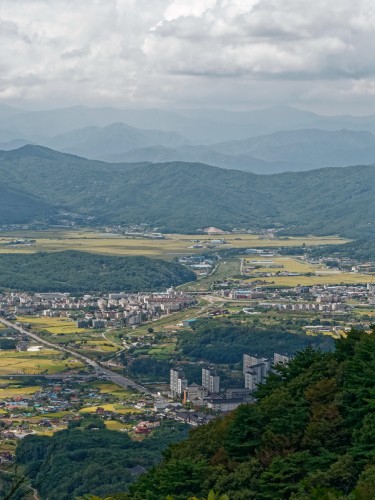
[(311, 435)]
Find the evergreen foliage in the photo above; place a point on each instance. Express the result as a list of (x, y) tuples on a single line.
[(80, 272), (88, 458), (224, 341), (362, 249), (183, 197), (310, 435)]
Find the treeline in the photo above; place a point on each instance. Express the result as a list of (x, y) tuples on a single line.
[(224, 341), (88, 458), (361, 250), (80, 272), (310, 435)]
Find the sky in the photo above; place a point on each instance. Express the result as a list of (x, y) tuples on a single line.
[(232, 54)]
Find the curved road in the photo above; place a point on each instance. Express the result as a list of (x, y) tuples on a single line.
[(100, 371)]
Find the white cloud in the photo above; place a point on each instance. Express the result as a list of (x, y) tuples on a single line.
[(177, 52)]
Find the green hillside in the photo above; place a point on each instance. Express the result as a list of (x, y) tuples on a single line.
[(75, 461), (363, 249), (79, 272), (187, 196), (17, 207), (311, 435)]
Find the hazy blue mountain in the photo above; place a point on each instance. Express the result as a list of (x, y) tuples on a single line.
[(200, 154), (180, 196), (200, 126), (154, 154), (38, 125), (306, 149), (92, 142), (13, 144), (7, 111), (275, 116), (7, 136), (49, 123), (273, 153)]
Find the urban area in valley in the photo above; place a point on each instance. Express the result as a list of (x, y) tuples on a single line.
[(187, 353)]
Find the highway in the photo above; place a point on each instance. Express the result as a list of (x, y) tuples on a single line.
[(100, 371)]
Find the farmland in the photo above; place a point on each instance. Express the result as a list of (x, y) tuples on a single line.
[(29, 363), (306, 274), (172, 246), (55, 326)]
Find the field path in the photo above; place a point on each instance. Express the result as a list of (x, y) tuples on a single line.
[(100, 371)]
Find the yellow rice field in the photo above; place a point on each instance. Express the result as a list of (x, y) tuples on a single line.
[(55, 326), (168, 248)]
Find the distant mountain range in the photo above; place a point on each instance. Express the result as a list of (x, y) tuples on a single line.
[(180, 196), (277, 152), (199, 126), (262, 141), (93, 142)]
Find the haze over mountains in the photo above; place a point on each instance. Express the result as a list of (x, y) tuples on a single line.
[(261, 141), (180, 196), (110, 172)]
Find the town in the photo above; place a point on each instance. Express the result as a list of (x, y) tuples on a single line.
[(64, 356)]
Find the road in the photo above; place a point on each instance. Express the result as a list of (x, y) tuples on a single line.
[(100, 371)]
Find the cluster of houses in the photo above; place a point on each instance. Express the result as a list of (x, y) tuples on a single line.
[(96, 312), (318, 298), (60, 400), (202, 265)]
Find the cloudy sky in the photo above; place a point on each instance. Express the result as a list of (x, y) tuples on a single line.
[(189, 53)]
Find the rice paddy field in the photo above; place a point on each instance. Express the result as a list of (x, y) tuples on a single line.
[(307, 274), (168, 248), (319, 274), (118, 408), (32, 363), (115, 390), (114, 425), (55, 326), (13, 390)]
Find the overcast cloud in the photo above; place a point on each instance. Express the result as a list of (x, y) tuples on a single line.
[(175, 53)]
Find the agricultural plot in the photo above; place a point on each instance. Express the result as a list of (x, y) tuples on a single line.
[(306, 274), (172, 246), (32, 363), (117, 408), (100, 345), (319, 274), (12, 392), (55, 326), (115, 390), (365, 311), (114, 425)]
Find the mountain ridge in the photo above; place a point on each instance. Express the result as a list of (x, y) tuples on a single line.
[(183, 197)]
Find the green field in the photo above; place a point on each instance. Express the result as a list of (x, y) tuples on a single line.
[(227, 269), (55, 326), (12, 391), (173, 245), (118, 408), (321, 274), (30, 363)]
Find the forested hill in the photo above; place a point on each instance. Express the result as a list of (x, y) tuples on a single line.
[(17, 207), (311, 435), (188, 196), (363, 249), (80, 272)]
